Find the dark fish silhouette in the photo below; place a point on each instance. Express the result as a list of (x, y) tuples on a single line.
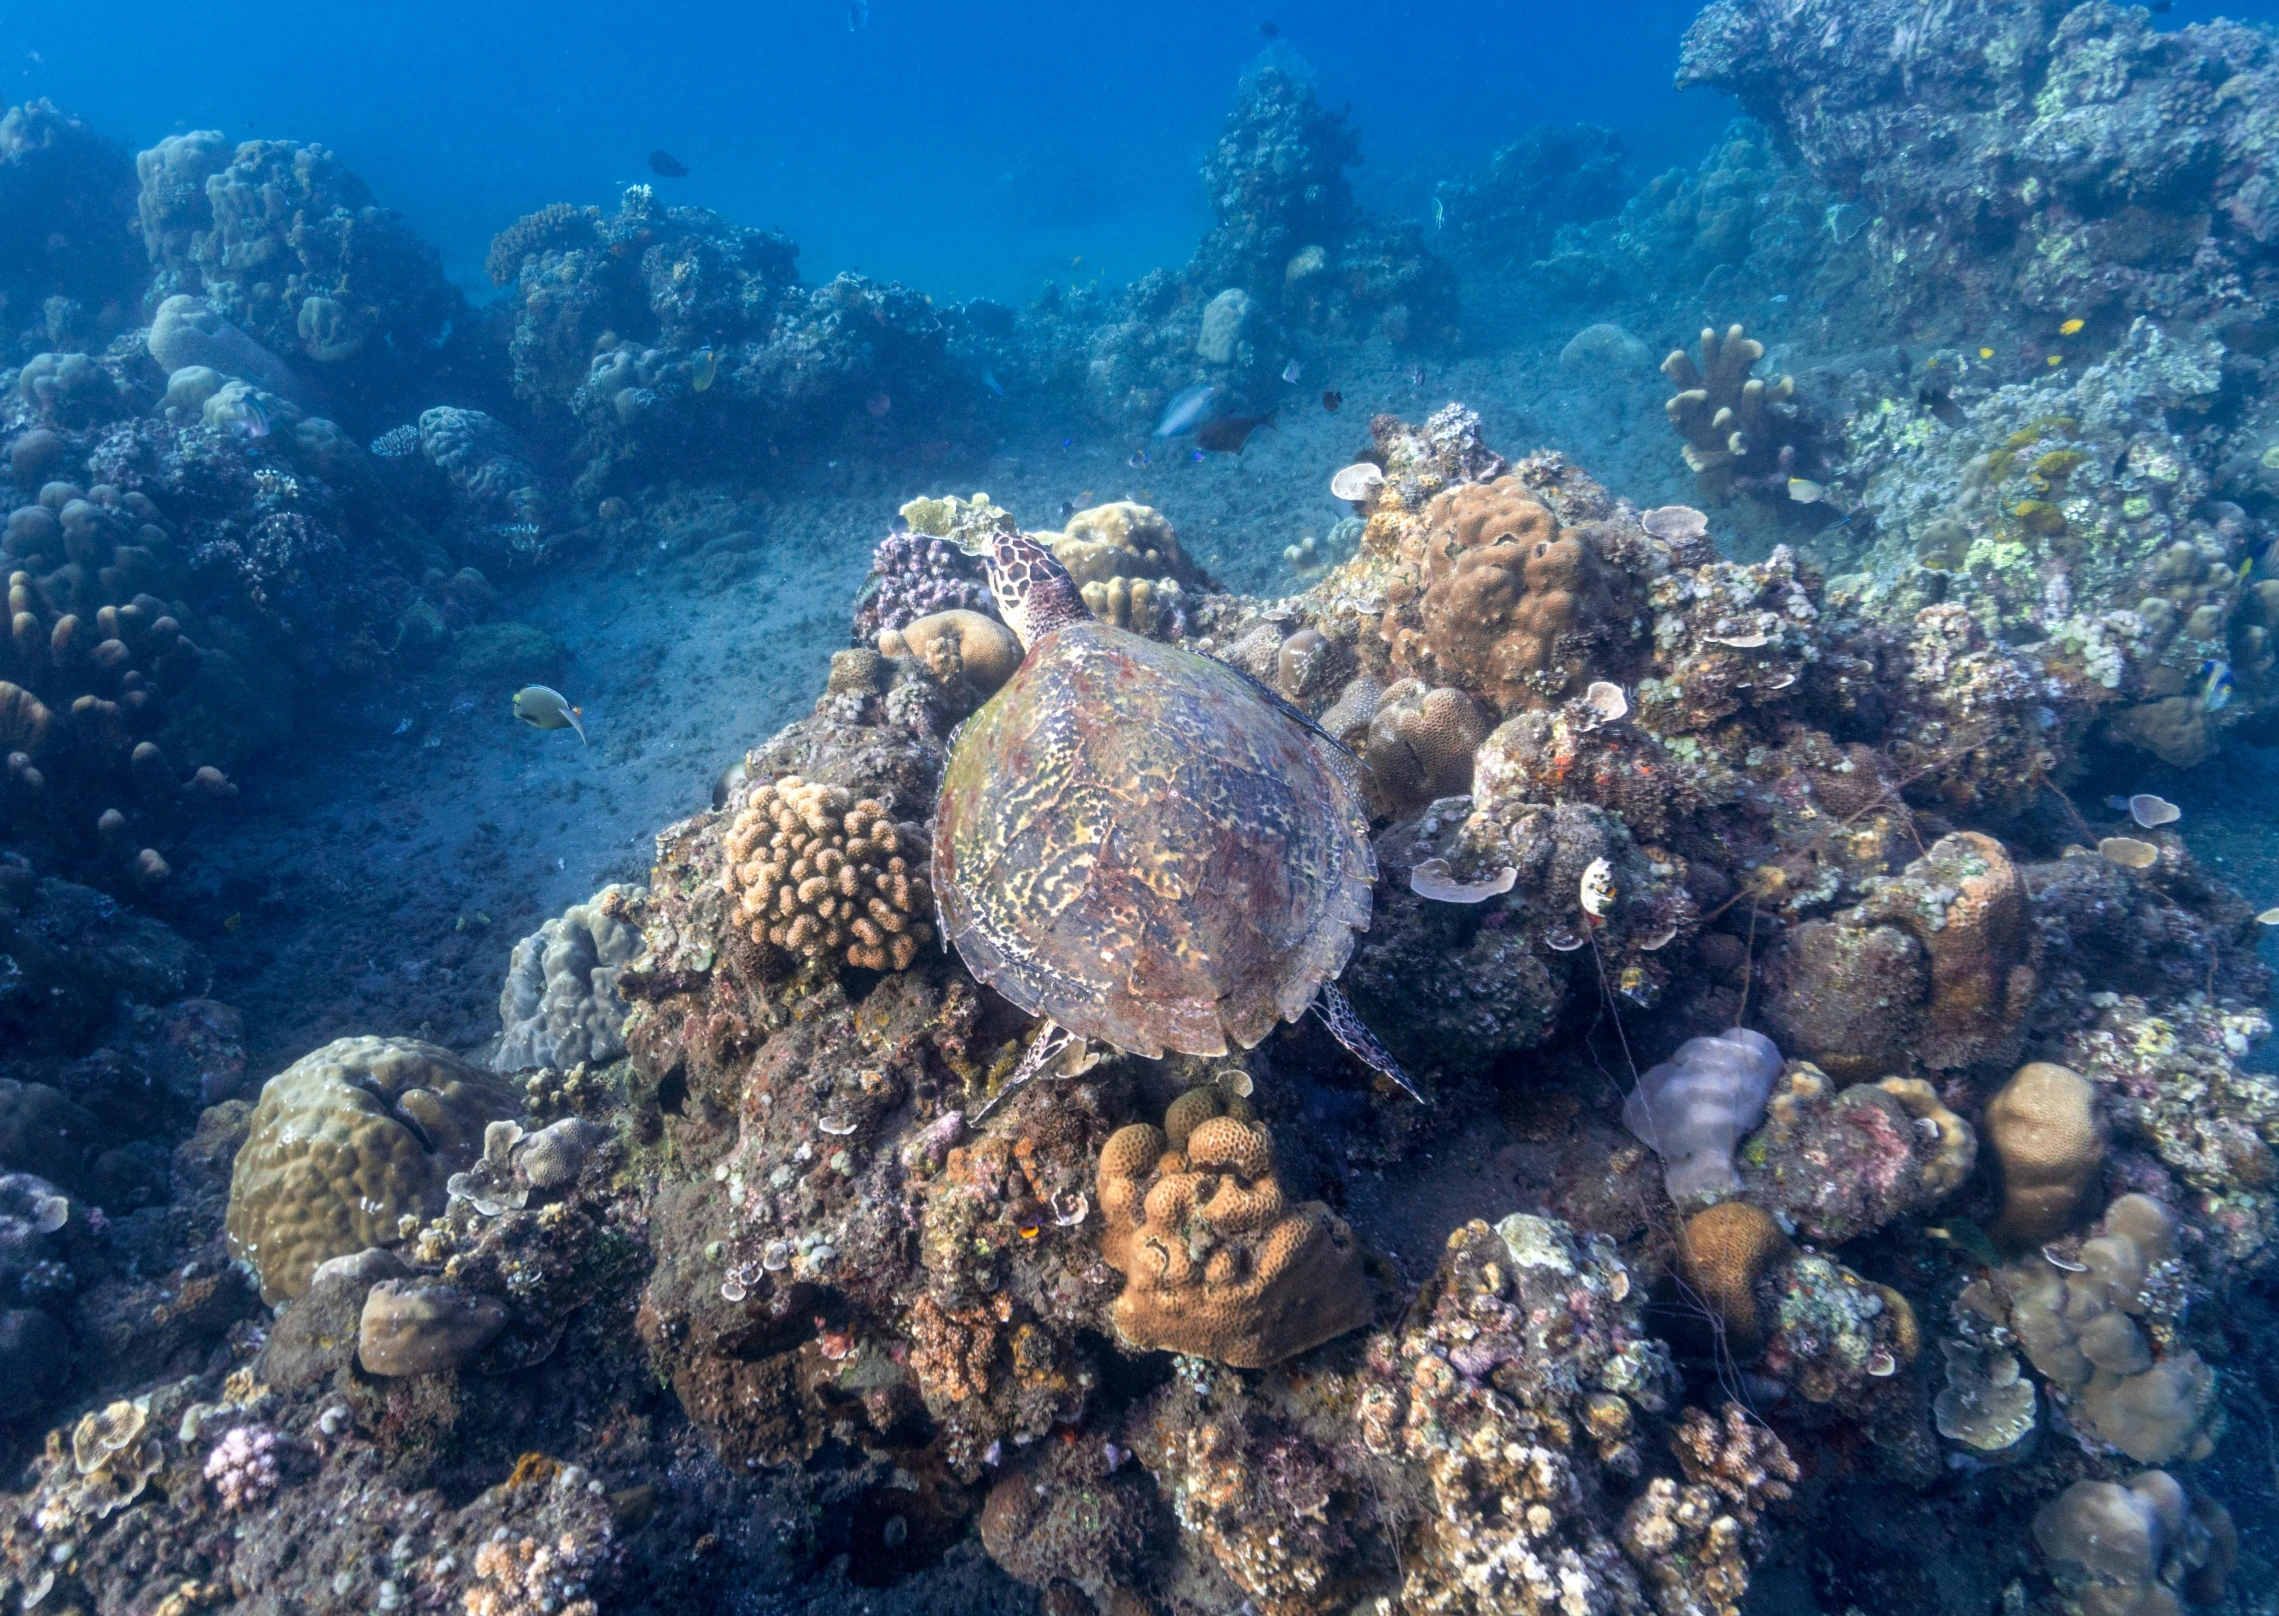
[(1272, 30), (666, 164), (1229, 433), (1331, 399)]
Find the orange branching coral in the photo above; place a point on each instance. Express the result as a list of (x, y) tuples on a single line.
[(1512, 603), (815, 872), (1216, 1263)]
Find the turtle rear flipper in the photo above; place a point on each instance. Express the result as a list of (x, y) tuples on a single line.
[(1347, 1027)]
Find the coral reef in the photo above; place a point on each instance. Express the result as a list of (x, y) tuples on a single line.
[(2037, 154), (2123, 1546), (962, 650), (67, 272), (1508, 210), (914, 575), (1216, 1263)]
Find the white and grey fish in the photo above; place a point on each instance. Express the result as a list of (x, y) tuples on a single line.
[(542, 707), (1187, 406)]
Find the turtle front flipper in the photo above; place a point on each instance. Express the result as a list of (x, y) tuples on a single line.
[(1051, 1044), (1347, 1027)]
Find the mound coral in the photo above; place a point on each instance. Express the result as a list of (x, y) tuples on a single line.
[(1217, 1264), (1967, 907), (559, 1005), (1419, 744), (413, 1328), (2120, 1548), (1740, 434), (816, 873), (1693, 1108), (2047, 1133), (960, 649), (1726, 1253), (1514, 609), (348, 1142), (2078, 1325)]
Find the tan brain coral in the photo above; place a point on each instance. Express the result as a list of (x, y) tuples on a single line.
[(814, 872), (1217, 1264), (1512, 604), (1724, 1254), (345, 1143)]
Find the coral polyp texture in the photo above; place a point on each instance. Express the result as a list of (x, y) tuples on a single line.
[(348, 1142), (818, 874), (1217, 1263)]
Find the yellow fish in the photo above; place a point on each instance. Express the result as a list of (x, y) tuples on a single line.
[(2057, 359), (1986, 353), (542, 708), (701, 371), (234, 921), (2072, 327)]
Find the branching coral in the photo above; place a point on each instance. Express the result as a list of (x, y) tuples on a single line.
[(346, 1143), (1738, 435), (243, 1467), (914, 575), (816, 873), (1217, 1264)]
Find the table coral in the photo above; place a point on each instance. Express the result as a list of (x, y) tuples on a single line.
[(816, 873), (1217, 1263), (345, 1144)]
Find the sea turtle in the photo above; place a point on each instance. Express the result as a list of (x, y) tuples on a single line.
[(1144, 845)]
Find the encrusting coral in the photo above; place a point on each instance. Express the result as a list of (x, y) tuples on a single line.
[(1216, 1263), (816, 873), (348, 1142)]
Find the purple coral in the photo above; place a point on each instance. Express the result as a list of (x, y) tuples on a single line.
[(912, 576), (243, 1467)]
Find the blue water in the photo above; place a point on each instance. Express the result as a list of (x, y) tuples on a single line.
[(969, 149)]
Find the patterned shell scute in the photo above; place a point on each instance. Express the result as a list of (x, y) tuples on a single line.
[(1135, 841)]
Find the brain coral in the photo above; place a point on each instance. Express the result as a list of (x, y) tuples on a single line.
[(1513, 605), (560, 1003), (345, 1142), (1216, 1263), (815, 872)]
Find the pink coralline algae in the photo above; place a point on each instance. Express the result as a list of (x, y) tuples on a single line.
[(913, 576), (243, 1467)]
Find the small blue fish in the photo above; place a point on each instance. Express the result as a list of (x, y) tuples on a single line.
[(990, 381), (1137, 459), (1292, 371), (2218, 693), (1185, 409)]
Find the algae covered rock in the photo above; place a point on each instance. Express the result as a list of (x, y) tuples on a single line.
[(345, 1142)]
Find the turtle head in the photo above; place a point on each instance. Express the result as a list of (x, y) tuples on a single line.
[(1033, 591)]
